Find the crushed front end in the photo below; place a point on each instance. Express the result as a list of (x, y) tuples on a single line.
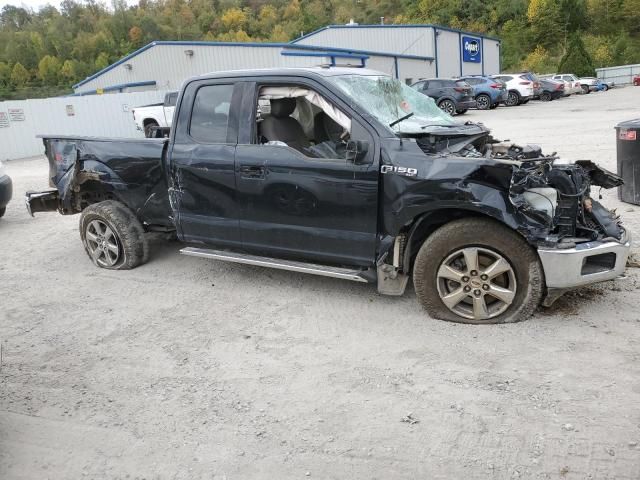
[(578, 240), (583, 242)]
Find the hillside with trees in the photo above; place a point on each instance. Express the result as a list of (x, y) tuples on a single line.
[(44, 52)]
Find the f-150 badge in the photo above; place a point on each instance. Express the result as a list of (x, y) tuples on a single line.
[(407, 172)]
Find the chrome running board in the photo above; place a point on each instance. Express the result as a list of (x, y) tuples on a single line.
[(293, 266)]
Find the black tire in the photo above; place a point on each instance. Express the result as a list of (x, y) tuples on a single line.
[(494, 106), (462, 112), (148, 132), (447, 106), (489, 236), (585, 89), (3, 210), (605, 88), (513, 99), (483, 101), (545, 97), (110, 224)]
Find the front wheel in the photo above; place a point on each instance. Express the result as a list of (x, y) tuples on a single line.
[(3, 210), (112, 236), (447, 106), (585, 89), (478, 271), (462, 112), (483, 101)]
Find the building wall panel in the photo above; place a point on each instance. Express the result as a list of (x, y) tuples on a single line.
[(406, 40), (95, 115), (448, 54)]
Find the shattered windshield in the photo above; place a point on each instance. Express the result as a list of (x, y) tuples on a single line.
[(388, 100)]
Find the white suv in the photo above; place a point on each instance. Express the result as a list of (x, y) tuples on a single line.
[(520, 88), (571, 82)]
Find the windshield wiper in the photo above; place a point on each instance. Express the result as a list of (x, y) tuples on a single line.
[(401, 119)]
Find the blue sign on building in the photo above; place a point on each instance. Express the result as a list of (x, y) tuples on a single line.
[(471, 49)]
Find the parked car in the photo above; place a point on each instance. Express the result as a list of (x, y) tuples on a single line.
[(537, 88), (551, 90), (636, 80), (148, 118), (519, 88), (353, 175), (451, 95), (604, 85), (6, 189), (487, 92), (571, 83), (589, 84)]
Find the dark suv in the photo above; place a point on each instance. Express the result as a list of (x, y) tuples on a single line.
[(452, 96)]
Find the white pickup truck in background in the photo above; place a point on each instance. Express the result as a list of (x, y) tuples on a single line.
[(156, 115)]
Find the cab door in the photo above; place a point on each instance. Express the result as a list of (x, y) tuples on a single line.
[(297, 205), (202, 183)]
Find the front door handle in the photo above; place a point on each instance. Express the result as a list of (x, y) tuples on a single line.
[(252, 172)]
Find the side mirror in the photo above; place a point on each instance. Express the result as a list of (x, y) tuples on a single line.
[(357, 151)]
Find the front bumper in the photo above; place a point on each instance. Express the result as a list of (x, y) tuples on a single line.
[(586, 263), (47, 201)]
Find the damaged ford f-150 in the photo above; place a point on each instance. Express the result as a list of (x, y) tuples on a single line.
[(345, 173)]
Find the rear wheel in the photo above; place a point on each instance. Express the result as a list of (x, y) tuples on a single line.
[(513, 99), (605, 88), (3, 210), (112, 236), (483, 101), (494, 106), (545, 97), (447, 106), (462, 112), (148, 129), (585, 89), (478, 271)]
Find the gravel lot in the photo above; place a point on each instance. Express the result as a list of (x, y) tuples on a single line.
[(194, 369)]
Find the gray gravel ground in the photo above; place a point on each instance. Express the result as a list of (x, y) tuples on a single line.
[(192, 369)]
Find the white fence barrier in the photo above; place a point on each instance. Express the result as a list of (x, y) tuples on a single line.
[(96, 115), (621, 75)]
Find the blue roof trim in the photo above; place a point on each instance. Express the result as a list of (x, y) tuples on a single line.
[(405, 25), (115, 87), (245, 44), (327, 53)]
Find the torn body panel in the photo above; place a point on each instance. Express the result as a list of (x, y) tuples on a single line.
[(88, 170), (547, 202)]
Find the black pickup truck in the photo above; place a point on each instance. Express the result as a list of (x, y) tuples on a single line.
[(345, 173)]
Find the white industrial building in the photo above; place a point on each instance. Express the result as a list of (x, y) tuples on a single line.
[(407, 52)]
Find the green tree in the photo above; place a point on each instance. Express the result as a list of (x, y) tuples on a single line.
[(49, 70), (577, 60), (5, 74), (19, 76)]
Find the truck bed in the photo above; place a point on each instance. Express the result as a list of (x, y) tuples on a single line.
[(128, 170)]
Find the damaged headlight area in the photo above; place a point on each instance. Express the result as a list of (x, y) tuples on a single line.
[(559, 197)]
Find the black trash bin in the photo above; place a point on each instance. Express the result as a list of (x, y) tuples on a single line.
[(628, 147)]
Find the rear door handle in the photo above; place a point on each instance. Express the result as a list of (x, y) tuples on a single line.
[(251, 171)]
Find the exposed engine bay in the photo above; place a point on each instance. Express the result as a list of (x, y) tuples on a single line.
[(555, 195)]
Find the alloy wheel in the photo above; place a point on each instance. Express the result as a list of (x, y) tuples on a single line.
[(483, 102), (102, 243), (476, 283), (447, 106)]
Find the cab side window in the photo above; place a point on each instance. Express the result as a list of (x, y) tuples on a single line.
[(302, 119), (210, 114)]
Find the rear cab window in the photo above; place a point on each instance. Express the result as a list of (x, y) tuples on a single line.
[(210, 115)]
